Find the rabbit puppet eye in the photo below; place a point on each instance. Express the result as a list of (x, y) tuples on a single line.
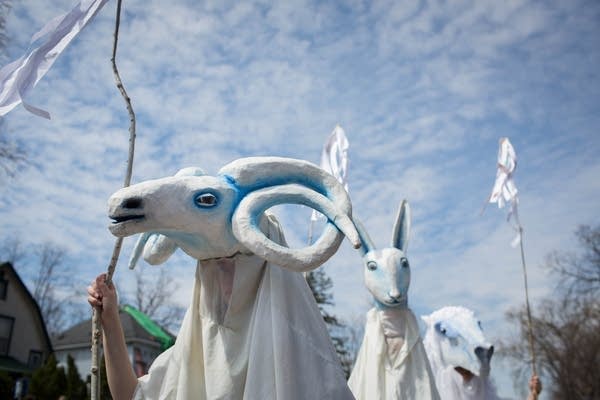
[(205, 200), (404, 262), (372, 265)]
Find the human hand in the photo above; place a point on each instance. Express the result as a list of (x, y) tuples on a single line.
[(103, 297), (535, 387)]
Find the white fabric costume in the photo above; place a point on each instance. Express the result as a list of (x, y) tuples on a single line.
[(392, 363), (452, 386), (253, 331)]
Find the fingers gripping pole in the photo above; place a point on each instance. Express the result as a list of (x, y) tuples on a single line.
[(96, 326)]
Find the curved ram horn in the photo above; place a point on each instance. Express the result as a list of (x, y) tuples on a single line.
[(365, 239), (245, 224), (256, 173)]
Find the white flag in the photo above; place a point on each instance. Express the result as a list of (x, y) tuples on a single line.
[(334, 158), (20, 76), (504, 190)]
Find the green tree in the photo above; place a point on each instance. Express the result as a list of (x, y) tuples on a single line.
[(49, 381), (76, 388), (321, 284), (6, 385), (104, 389), (565, 325)]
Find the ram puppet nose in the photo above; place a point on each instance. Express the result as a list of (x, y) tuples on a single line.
[(484, 355)]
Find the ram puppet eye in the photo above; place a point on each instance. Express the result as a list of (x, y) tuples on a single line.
[(448, 331), (440, 328), (372, 265), (404, 262), (205, 200)]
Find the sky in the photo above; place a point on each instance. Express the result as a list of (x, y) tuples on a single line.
[(423, 90)]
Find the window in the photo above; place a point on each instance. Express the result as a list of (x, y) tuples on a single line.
[(6, 327), (35, 359), (139, 365), (3, 286)]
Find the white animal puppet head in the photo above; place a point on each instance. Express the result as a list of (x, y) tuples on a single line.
[(387, 271), (454, 339), (219, 216)]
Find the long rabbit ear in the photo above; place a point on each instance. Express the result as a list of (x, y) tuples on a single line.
[(401, 232), (269, 181), (365, 240)]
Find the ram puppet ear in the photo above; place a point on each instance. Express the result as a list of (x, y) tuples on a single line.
[(426, 319), (367, 244), (271, 181), (157, 248), (401, 231)]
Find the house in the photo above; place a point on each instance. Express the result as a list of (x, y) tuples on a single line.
[(24, 341), (144, 338)]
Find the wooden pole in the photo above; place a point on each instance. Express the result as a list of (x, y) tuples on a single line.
[(528, 308), (96, 326)]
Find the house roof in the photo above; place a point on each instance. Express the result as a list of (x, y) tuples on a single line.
[(7, 267), (9, 364), (165, 338), (80, 335)]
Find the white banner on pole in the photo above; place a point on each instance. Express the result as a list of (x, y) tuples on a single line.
[(334, 159), (504, 190), (22, 75)]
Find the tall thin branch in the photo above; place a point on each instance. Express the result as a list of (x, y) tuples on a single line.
[(96, 326)]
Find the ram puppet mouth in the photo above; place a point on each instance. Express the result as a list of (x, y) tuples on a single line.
[(465, 373), (120, 222), (125, 218)]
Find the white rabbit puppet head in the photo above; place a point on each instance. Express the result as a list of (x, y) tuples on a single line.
[(387, 270)]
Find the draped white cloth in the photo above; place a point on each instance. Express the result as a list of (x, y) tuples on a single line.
[(253, 331), (453, 387), (392, 363), (20, 76)]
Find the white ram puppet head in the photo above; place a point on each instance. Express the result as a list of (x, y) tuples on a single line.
[(454, 338), (219, 216), (387, 271), (157, 248)]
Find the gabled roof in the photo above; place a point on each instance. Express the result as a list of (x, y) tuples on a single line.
[(80, 335), (7, 267), (164, 337)]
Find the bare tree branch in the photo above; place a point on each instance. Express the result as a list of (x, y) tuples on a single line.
[(153, 296), (566, 326), (12, 250)]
